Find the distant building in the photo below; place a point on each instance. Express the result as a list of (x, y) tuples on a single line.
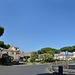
[(27, 54), (21, 55), (63, 56), (74, 54), (12, 51)]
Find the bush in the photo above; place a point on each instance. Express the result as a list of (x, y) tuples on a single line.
[(52, 60), (42, 62), (73, 59), (33, 57), (58, 59), (3, 60), (34, 63), (26, 58), (31, 60), (37, 60)]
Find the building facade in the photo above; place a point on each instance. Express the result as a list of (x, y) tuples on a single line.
[(12, 51)]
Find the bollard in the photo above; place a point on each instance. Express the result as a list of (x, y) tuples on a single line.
[(60, 69)]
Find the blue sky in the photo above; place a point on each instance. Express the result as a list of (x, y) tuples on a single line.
[(35, 24)]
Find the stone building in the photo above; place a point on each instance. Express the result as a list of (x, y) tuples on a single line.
[(12, 51), (21, 56), (28, 53)]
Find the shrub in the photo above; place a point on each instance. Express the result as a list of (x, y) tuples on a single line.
[(42, 62), (58, 59), (73, 59), (34, 63), (26, 58), (34, 56), (52, 60), (31, 60), (3, 60)]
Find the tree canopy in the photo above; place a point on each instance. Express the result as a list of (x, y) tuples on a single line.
[(47, 49), (34, 56), (4, 45), (68, 48), (1, 31)]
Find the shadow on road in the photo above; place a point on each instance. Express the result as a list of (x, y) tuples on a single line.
[(45, 74), (11, 64)]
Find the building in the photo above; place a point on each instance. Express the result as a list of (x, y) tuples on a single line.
[(12, 51), (27, 54), (63, 56), (21, 55)]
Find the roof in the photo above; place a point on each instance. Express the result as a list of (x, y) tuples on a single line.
[(62, 55), (65, 55), (70, 55)]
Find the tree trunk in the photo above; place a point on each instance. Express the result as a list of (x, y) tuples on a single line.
[(67, 60)]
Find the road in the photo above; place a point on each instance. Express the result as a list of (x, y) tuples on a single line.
[(24, 70)]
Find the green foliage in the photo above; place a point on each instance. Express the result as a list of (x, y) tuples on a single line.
[(4, 45), (52, 60), (1, 30), (73, 59), (47, 57), (58, 59), (1, 44), (34, 56), (47, 49), (26, 58), (68, 48), (57, 51), (31, 60), (39, 52), (42, 61), (34, 63), (73, 48), (5, 58)]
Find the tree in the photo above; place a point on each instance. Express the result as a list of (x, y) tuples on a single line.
[(45, 50), (4, 45), (39, 52), (73, 48), (57, 52), (26, 58), (34, 56), (47, 57), (1, 31), (1, 44), (66, 50)]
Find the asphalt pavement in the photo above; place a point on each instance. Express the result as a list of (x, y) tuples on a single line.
[(24, 70)]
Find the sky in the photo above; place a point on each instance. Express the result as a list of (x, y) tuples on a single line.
[(35, 24)]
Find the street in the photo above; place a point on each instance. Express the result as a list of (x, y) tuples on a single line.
[(24, 70)]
